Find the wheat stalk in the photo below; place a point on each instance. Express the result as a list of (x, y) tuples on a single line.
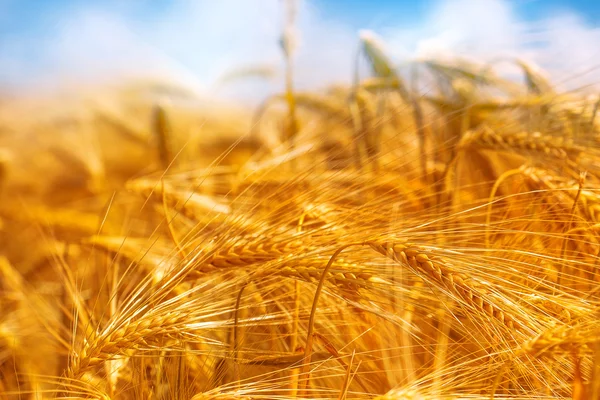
[(535, 143)]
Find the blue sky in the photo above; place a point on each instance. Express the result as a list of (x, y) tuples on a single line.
[(22, 16), (197, 40), (372, 13)]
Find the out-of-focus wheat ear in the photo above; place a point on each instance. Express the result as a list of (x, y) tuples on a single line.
[(357, 123), (444, 76), (5, 160), (382, 67), (135, 251), (373, 49), (193, 205), (327, 107), (124, 127), (262, 71), (535, 81), (522, 142), (579, 389), (418, 117), (592, 122), (163, 135), (288, 46), (375, 119), (402, 394), (457, 85), (86, 162), (595, 378), (64, 224), (12, 280), (537, 84)]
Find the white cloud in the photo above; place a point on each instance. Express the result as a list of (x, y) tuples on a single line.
[(490, 29), (213, 37), (198, 41), (571, 50)]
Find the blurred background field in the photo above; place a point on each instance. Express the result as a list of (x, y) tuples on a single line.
[(299, 199)]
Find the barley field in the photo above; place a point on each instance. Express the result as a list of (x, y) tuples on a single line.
[(430, 232)]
